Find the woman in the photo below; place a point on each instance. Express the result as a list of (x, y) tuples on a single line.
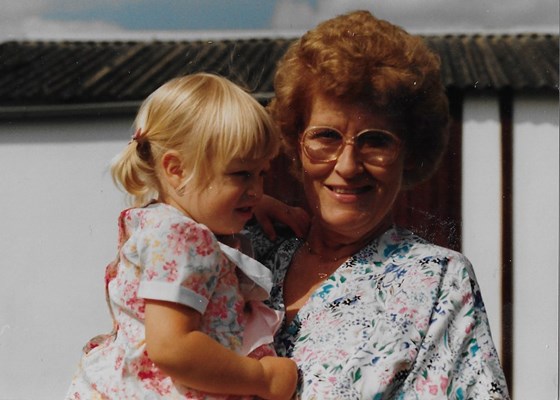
[(372, 311)]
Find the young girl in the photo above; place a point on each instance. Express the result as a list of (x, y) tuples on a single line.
[(187, 309)]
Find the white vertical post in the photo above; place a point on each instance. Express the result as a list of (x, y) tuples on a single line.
[(481, 201)]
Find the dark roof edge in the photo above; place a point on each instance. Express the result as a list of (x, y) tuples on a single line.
[(85, 109), (68, 110)]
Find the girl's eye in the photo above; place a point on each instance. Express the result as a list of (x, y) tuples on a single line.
[(248, 174)]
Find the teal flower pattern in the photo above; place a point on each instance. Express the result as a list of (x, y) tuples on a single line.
[(401, 319)]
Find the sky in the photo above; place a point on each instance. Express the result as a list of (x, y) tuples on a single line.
[(163, 19)]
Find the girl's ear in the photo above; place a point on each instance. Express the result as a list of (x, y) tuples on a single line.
[(173, 169)]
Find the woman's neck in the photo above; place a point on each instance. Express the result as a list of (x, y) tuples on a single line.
[(334, 244)]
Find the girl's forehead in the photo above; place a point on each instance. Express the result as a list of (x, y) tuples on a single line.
[(247, 163)]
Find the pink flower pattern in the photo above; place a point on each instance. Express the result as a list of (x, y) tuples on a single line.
[(171, 269), (159, 246)]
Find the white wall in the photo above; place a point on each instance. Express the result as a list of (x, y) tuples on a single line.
[(58, 213)]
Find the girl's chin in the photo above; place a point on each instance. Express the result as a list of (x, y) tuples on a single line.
[(229, 228)]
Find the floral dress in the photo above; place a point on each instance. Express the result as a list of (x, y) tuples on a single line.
[(401, 319), (164, 255)]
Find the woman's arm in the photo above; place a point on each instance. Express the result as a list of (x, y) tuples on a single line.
[(270, 209), (195, 360)]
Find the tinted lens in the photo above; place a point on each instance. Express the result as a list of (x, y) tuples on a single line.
[(378, 147), (322, 144)]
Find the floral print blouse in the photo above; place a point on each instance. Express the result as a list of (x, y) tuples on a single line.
[(401, 319), (164, 255)]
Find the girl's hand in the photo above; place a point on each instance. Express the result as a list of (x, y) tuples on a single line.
[(271, 209), (281, 376)]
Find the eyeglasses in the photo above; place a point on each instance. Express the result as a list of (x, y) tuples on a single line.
[(375, 146)]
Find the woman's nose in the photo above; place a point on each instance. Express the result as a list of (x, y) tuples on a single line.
[(348, 163)]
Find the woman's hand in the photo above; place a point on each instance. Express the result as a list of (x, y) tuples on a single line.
[(271, 209), (281, 375)]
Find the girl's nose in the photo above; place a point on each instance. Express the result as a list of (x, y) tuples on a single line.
[(255, 189), (348, 163)]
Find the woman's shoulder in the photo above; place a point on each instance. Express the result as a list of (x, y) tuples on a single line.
[(404, 244), (418, 266), (399, 239)]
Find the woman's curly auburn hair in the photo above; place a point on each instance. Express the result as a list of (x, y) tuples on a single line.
[(357, 57)]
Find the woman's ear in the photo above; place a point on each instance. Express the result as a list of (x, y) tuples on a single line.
[(173, 169)]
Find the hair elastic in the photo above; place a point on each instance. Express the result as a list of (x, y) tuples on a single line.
[(137, 135), (142, 145)]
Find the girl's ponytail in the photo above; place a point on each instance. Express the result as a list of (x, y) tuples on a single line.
[(133, 170)]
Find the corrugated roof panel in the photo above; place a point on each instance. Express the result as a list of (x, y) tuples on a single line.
[(154, 71), (442, 46), (489, 71), (458, 63), (477, 62), (90, 72), (120, 58), (492, 65), (119, 84), (541, 63)]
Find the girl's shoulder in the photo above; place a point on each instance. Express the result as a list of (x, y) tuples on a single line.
[(160, 219)]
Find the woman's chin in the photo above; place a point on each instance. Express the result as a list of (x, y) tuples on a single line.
[(345, 220), (355, 222)]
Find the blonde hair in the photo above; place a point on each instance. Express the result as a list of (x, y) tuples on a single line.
[(207, 119)]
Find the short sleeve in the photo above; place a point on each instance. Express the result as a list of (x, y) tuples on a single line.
[(180, 262)]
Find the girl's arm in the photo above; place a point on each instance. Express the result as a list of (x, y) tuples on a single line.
[(195, 360)]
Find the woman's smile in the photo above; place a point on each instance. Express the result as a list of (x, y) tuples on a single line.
[(343, 190), (348, 194)]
